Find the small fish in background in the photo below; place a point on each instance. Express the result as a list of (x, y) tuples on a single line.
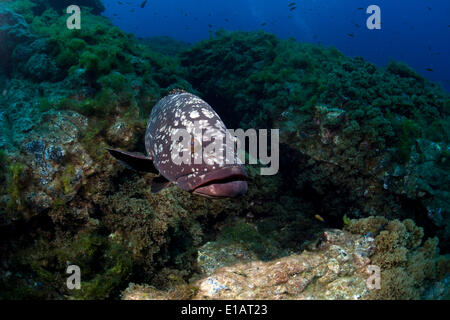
[(429, 8), (292, 9), (210, 26), (132, 10), (211, 179), (360, 8), (226, 20), (318, 217), (119, 2), (263, 24), (291, 4), (143, 4), (429, 69), (357, 25), (351, 35)]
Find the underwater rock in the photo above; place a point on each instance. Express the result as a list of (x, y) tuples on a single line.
[(121, 134), (23, 52), (41, 68), (165, 45), (335, 270), (410, 266), (4, 132), (143, 292), (50, 147), (440, 290), (56, 162), (213, 255), (14, 30), (425, 178), (338, 265)]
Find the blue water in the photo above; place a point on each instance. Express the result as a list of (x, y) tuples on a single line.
[(416, 32)]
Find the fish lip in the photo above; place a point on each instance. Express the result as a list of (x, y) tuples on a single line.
[(233, 177), (238, 187), (190, 183), (237, 174)]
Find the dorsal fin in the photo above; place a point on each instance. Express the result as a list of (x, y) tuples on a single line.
[(132, 160), (159, 183)]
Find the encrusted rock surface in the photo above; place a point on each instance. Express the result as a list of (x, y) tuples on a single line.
[(213, 255), (58, 161), (143, 292), (335, 267)]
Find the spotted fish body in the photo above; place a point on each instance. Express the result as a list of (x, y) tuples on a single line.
[(209, 176)]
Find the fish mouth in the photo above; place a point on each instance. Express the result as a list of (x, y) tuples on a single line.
[(230, 182)]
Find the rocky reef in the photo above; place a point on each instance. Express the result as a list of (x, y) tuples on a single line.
[(360, 139), (363, 147), (335, 266)]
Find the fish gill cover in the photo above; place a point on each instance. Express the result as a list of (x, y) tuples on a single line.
[(363, 180)]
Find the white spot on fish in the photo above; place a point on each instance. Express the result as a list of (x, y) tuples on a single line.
[(194, 114), (207, 113)]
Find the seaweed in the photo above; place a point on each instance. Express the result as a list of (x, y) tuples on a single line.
[(15, 183), (409, 265), (410, 131)]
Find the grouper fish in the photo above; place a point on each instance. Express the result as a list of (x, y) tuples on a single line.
[(212, 176)]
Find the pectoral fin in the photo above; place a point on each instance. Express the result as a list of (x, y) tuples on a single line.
[(132, 160), (159, 183)]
